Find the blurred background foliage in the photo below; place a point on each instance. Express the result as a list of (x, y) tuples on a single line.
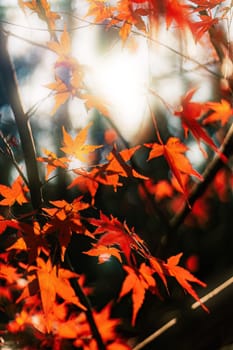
[(205, 237)]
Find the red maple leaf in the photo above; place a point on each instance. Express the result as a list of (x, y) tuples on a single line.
[(137, 282), (189, 112), (183, 277), (116, 233), (53, 162)]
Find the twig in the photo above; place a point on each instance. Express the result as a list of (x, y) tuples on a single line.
[(208, 175), (174, 320), (85, 301), (156, 334), (212, 294), (12, 158)]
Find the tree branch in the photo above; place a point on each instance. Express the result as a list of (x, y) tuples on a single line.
[(209, 174), (9, 85)]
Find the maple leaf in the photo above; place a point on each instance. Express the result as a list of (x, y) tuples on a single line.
[(86, 182), (127, 17), (42, 9), (222, 112), (222, 184), (52, 282), (30, 238), (106, 326), (9, 273), (76, 147), (189, 112), (94, 101), (173, 152), (8, 223), (107, 174), (206, 4), (184, 277), (65, 219), (68, 81), (116, 233), (104, 253), (53, 162), (14, 194), (137, 282), (62, 48), (202, 26), (117, 165), (178, 12), (62, 93), (157, 267), (100, 10), (160, 190)]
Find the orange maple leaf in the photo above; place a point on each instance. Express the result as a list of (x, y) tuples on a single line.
[(9, 273), (104, 253), (76, 147), (65, 219), (53, 281), (222, 112), (128, 17), (62, 93), (62, 48), (53, 162), (14, 194), (117, 164), (137, 282), (42, 9), (184, 277), (107, 327), (30, 238), (100, 10), (86, 182), (68, 85), (173, 152), (97, 102)]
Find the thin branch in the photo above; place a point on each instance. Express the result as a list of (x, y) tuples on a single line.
[(156, 334), (12, 158), (85, 301), (208, 175), (31, 42), (214, 292)]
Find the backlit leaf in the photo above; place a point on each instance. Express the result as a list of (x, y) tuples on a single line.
[(14, 194)]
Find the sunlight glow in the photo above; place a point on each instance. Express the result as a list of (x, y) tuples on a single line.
[(121, 79)]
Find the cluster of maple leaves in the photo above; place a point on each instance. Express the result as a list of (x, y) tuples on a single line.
[(40, 284)]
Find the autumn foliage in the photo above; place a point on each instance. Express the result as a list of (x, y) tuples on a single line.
[(51, 300)]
